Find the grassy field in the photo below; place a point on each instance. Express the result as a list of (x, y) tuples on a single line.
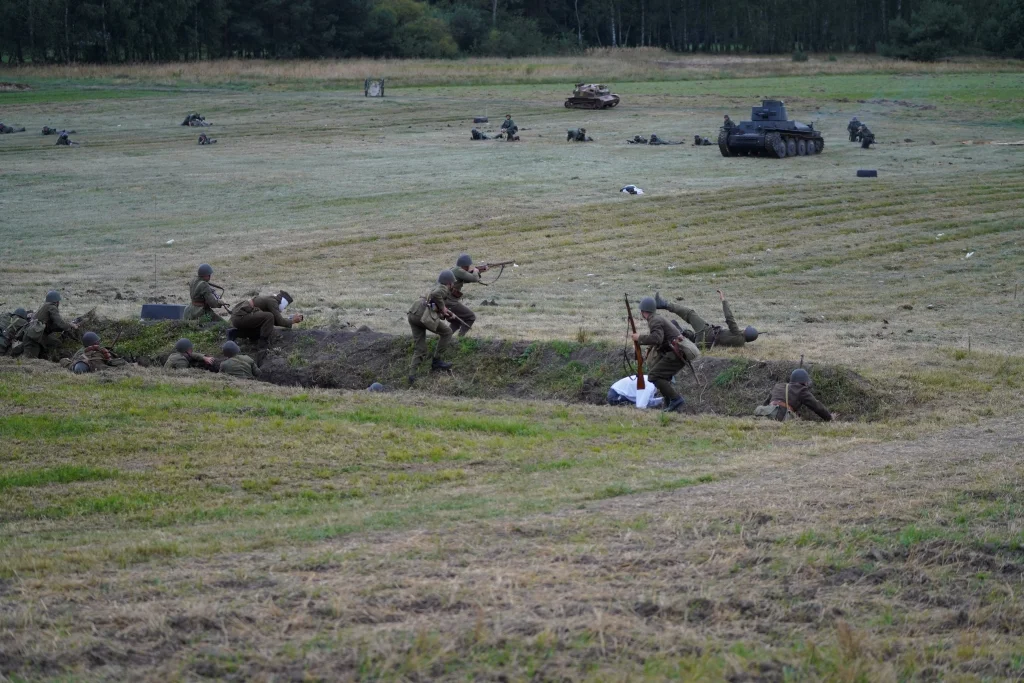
[(182, 528)]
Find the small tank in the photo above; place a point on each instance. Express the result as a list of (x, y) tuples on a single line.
[(591, 96), (769, 132)]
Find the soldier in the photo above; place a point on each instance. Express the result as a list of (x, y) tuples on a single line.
[(91, 357), (867, 138), (184, 358), (637, 140), (64, 140), (53, 131), (7, 129), (508, 126), (43, 333), (708, 336), (698, 141), (205, 139), (728, 124), (577, 135), (11, 331), (426, 315), (464, 271), (237, 365), (203, 298), (195, 120), (785, 400), (853, 127), (672, 352), (478, 135), (257, 318), (655, 140)]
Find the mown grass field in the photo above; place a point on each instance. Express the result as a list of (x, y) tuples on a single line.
[(186, 527)]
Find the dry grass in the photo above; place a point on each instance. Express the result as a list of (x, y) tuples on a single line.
[(618, 65)]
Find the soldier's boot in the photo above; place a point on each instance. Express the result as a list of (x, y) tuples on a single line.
[(462, 331), (675, 404), (438, 364), (659, 302), (232, 333)]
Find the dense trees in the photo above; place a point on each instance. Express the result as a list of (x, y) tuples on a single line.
[(165, 30)]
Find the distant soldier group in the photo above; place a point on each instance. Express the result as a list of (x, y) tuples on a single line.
[(859, 132)]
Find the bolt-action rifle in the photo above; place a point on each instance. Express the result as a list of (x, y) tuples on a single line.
[(640, 384)]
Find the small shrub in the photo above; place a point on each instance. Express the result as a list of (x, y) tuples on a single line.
[(833, 58), (799, 56), (582, 335)]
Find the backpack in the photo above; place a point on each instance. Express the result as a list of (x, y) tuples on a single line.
[(34, 331)]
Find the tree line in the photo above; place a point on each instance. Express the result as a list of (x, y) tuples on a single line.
[(112, 31)]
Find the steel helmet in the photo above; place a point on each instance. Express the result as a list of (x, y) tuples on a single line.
[(90, 338), (20, 312), (53, 297), (446, 277), (205, 270), (647, 305), (183, 346), (800, 376), (750, 334), (230, 349), (465, 261)]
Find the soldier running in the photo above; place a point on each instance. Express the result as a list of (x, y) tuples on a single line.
[(257, 318), (236, 364), (92, 356), (43, 333), (708, 336), (786, 399), (673, 353), (184, 358), (203, 298), (426, 316)]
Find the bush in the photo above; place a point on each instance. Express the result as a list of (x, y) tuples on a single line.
[(799, 56)]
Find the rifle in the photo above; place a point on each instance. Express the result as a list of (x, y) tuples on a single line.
[(640, 384), (500, 264)]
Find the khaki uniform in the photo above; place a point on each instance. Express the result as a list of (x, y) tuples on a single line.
[(49, 315), (96, 356), (785, 401), (424, 316), (240, 366), (666, 364), (203, 301), (707, 336), (184, 361), (454, 303), (10, 333), (257, 317)]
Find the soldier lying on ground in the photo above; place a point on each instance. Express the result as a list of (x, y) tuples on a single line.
[(624, 392), (184, 358), (708, 336), (54, 131), (786, 399), (698, 141), (92, 356), (867, 138), (202, 297), (480, 135), (637, 140), (257, 318), (195, 120), (12, 330), (64, 140), (7, 129), (236, 364), (204, 139), (655, 140), (426, 315), (673, 351), (577, 135), (43, 334)]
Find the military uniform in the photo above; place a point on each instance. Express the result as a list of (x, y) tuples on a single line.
[(49, 315), (179, 360), (785, 402), (867, 138), (660, 335), (452, 301), (509, 126), (424, 316), (11, 333), (257, 317), (95, 356), (577, 135), (240, 366), (203, 301), (7, 129), (853, 128), (707, 336)]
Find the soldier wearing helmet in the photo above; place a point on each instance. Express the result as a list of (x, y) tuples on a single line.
[(202, 297), (787, 398), (12, 330), (671, 358), (464, 271), (257, 317), (92, 356), (236, 364), (709, 336), (184, 358), (428, 314), (43, 334)]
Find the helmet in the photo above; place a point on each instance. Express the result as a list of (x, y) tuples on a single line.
[(465, 261), (90, 339), (53, 297), (750, 333), (20, 312), (183, 346), (376, 386), (800, 376), (647, 305), (205, 270), (81, 367), (583, 130), (285, 295), (230, 349), (446, 277)]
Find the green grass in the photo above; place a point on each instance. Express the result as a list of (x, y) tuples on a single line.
[(64, 474)]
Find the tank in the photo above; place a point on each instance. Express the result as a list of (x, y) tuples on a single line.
[(591, 96), (769, 132)]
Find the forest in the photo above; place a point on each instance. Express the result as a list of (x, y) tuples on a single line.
[(117, 31)]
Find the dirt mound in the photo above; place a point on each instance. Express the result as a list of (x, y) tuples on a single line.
[(495, 368)]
